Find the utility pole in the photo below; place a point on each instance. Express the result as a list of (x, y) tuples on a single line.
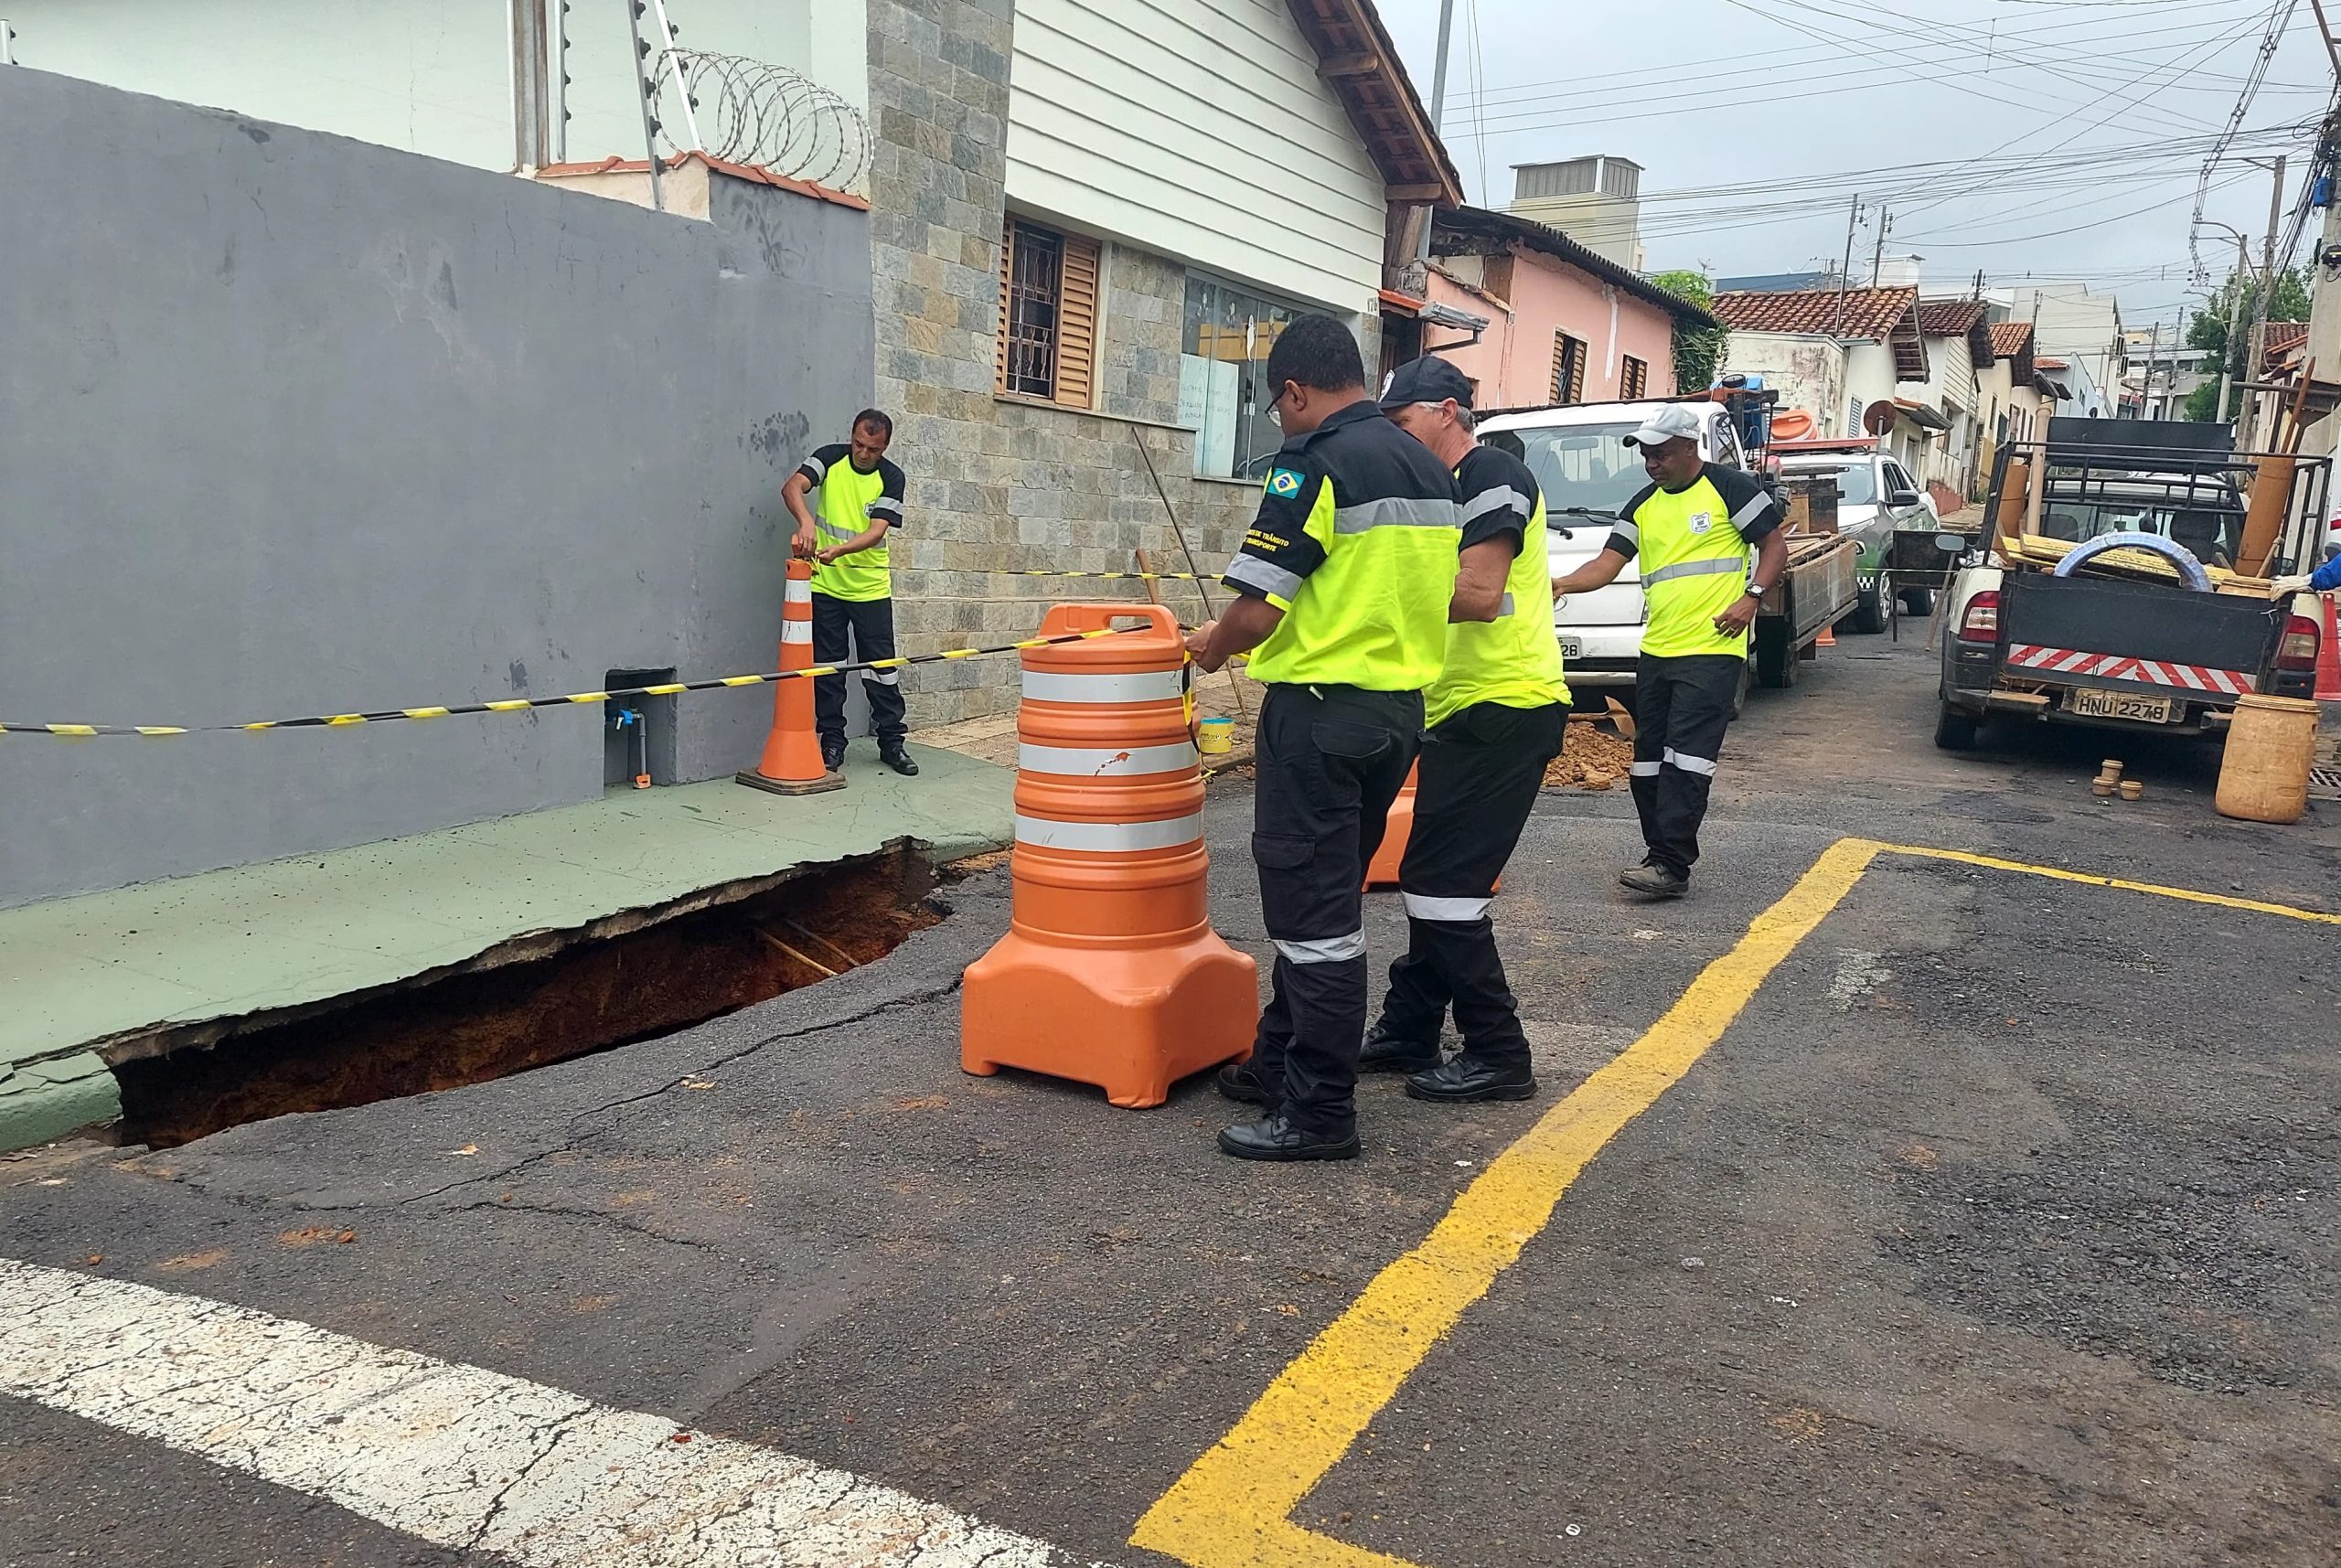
[(2146, 392), (2258, 349), (1437, 113), (1877, 257), (1845, 272), (2177, 347), (2235, 327)]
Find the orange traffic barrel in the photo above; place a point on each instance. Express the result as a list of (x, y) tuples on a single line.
[(792, 760), (1383, 871), (1110, 973)]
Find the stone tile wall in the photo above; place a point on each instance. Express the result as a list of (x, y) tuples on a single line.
[(1003, 483)]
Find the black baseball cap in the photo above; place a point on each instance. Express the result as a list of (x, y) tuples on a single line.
[(1429, 379)]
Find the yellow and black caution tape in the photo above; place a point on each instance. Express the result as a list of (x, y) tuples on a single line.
[(1093, 576), (521, 704)]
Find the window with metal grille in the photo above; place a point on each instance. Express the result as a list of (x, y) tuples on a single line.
[(1633, 379), (1048, 313), (1568, 368)]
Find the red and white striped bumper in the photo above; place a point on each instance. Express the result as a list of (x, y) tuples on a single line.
[(2182, 677)]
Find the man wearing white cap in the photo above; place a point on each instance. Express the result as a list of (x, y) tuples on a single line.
[(1711, 548)]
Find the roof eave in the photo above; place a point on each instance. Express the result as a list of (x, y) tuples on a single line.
[(1358, 59), (1484, 223)]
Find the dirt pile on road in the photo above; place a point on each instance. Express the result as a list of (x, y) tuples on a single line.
[(1592, 758)]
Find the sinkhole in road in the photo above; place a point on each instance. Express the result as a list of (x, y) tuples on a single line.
[(545, 998)]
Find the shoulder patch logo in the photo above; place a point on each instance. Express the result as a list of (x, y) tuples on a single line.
[(1284, 483)]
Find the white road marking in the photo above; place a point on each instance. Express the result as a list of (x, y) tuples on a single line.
[(456, 1455)]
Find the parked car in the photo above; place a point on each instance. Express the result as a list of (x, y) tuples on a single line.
[(1875, 496), (1586, 470)]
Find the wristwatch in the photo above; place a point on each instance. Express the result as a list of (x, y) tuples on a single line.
[(1757, 591)]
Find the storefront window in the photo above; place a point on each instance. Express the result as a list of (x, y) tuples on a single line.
[(1223, 394)]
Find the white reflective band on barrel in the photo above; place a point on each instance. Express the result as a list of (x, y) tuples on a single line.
[(1421, 908), (1691, 764), (1144, 686), (795, 631), (1108, 837), (798, 592), (1106, 761), (1325, 949)]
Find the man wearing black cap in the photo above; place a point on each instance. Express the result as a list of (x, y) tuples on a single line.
[(1497, 715), (1711, 549)]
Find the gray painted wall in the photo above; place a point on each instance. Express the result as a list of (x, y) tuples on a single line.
[(294, 424)]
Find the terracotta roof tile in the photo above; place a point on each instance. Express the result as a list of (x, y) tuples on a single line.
[(1950, 318), (2283, 336), (1870, 314), (2010, 338)]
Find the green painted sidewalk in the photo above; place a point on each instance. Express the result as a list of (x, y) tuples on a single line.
[(82, 971)]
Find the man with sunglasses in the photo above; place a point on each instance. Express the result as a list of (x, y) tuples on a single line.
[(1342, 586)]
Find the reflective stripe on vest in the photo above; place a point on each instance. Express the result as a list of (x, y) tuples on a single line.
[(1695, 569), (1105, 762), (1111, 838), (1144, 686), (1395, 512)]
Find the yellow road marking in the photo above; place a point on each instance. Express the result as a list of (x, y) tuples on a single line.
[(1232, 1509), (1994, 863)]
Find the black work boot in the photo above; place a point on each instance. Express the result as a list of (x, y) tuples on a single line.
[(1466, 1078), (1384, 1053), (1274, 1138), (1240, 1081), (833, 755), (898, 759), (1656, 882)]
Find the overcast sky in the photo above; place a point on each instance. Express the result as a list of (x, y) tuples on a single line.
[(2093, 119)]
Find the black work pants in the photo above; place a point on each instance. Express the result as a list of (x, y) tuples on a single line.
[(871, 623), (1681, 707), (1328, 762), (1481, 773)]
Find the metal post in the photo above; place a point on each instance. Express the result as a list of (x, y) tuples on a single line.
[(1438, 110), (1877, 257), (2147, 394), (557, 78), (644, 86), (668, 57), (7, 43), (531, 132)]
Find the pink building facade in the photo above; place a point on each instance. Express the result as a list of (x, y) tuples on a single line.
[(1564, 324)]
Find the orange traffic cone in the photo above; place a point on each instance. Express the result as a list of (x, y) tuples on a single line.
[(1110, 973), (1828, 638), (792, 759), (2328, 658), (1382, 872)]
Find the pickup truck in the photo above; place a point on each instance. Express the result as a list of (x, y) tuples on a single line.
[(2155, 634), (1586, 470), (1876, 499)]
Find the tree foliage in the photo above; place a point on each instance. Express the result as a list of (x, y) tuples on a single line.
[(1698, 350), (2239, 297)]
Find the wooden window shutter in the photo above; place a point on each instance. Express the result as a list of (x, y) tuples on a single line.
[(1560, 367), (1000, 347), (1077, 322)]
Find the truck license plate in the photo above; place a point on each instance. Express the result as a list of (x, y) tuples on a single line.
[(2093, 702), (1572, 648)]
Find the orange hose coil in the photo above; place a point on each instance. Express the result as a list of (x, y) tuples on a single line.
[(1110, 973)]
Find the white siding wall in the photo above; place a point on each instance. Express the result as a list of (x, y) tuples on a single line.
[(1198, 130)]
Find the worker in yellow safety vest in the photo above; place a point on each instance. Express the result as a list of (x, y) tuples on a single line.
[(1710, 546), (1343, 584)]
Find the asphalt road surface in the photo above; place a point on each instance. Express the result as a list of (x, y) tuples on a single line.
[(1950, 1212)]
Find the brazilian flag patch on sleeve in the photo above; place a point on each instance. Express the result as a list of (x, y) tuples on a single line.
[(1284, 483)]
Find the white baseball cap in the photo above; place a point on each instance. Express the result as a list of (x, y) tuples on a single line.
[(1673, 420)]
